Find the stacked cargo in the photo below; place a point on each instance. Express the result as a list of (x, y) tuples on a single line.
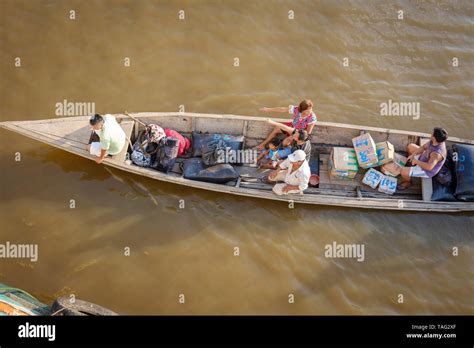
[(388, 185), (366, 151), (385, 153), (345, 162), (372, 178)]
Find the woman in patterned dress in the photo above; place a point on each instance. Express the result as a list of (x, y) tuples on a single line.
[(303, 118)]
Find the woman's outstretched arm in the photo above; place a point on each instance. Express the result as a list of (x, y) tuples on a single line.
[(277, 109)]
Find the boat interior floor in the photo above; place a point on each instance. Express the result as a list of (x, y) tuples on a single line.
[(254, 178), (77, 135)]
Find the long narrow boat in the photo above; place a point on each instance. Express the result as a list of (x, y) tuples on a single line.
[(72, 134)]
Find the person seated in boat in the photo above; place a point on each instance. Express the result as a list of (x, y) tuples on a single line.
[(427, 159), (277, 151), (301, 141), (294, 172), (300, 137), (109, 137), (303, 118)]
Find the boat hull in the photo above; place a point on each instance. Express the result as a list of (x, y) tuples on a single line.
[(71, 134)]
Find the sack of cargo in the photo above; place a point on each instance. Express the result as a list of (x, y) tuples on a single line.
[(444, 176), (385, 152), (140, 159), (213, 152), (442, 192), (235, 142), (139, 156), (372, 178), (446, 173), (464, 166), (184, 142), (194, 169), (152, 148), (166, 155), (388, 185), (366, 151), (154, 133), (343, 163)]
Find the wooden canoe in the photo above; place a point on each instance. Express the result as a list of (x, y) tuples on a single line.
[(72, 134), (15, 301)]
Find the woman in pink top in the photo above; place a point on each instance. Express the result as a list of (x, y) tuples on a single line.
[(303, 118)]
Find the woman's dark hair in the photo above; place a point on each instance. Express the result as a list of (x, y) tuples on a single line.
[(440, 134), (275, 142), (305, 105), (95, 119), (302, 134)]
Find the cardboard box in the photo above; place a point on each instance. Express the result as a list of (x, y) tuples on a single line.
[(400, 160), (392, 169), (388, 185), (372, 178), (343, 163), (385, 152), (366, 151)]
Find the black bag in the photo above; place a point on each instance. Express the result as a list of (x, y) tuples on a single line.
[(139, 156), (166, 154), (464, 165), (235, 142), (213, 152), (143, 151), (446, 173), (444, 176), (194, 169), (152, 148)]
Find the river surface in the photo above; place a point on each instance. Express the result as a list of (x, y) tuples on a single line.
[(426, 57)]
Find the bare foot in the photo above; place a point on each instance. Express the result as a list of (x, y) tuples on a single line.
[(403, 186)]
